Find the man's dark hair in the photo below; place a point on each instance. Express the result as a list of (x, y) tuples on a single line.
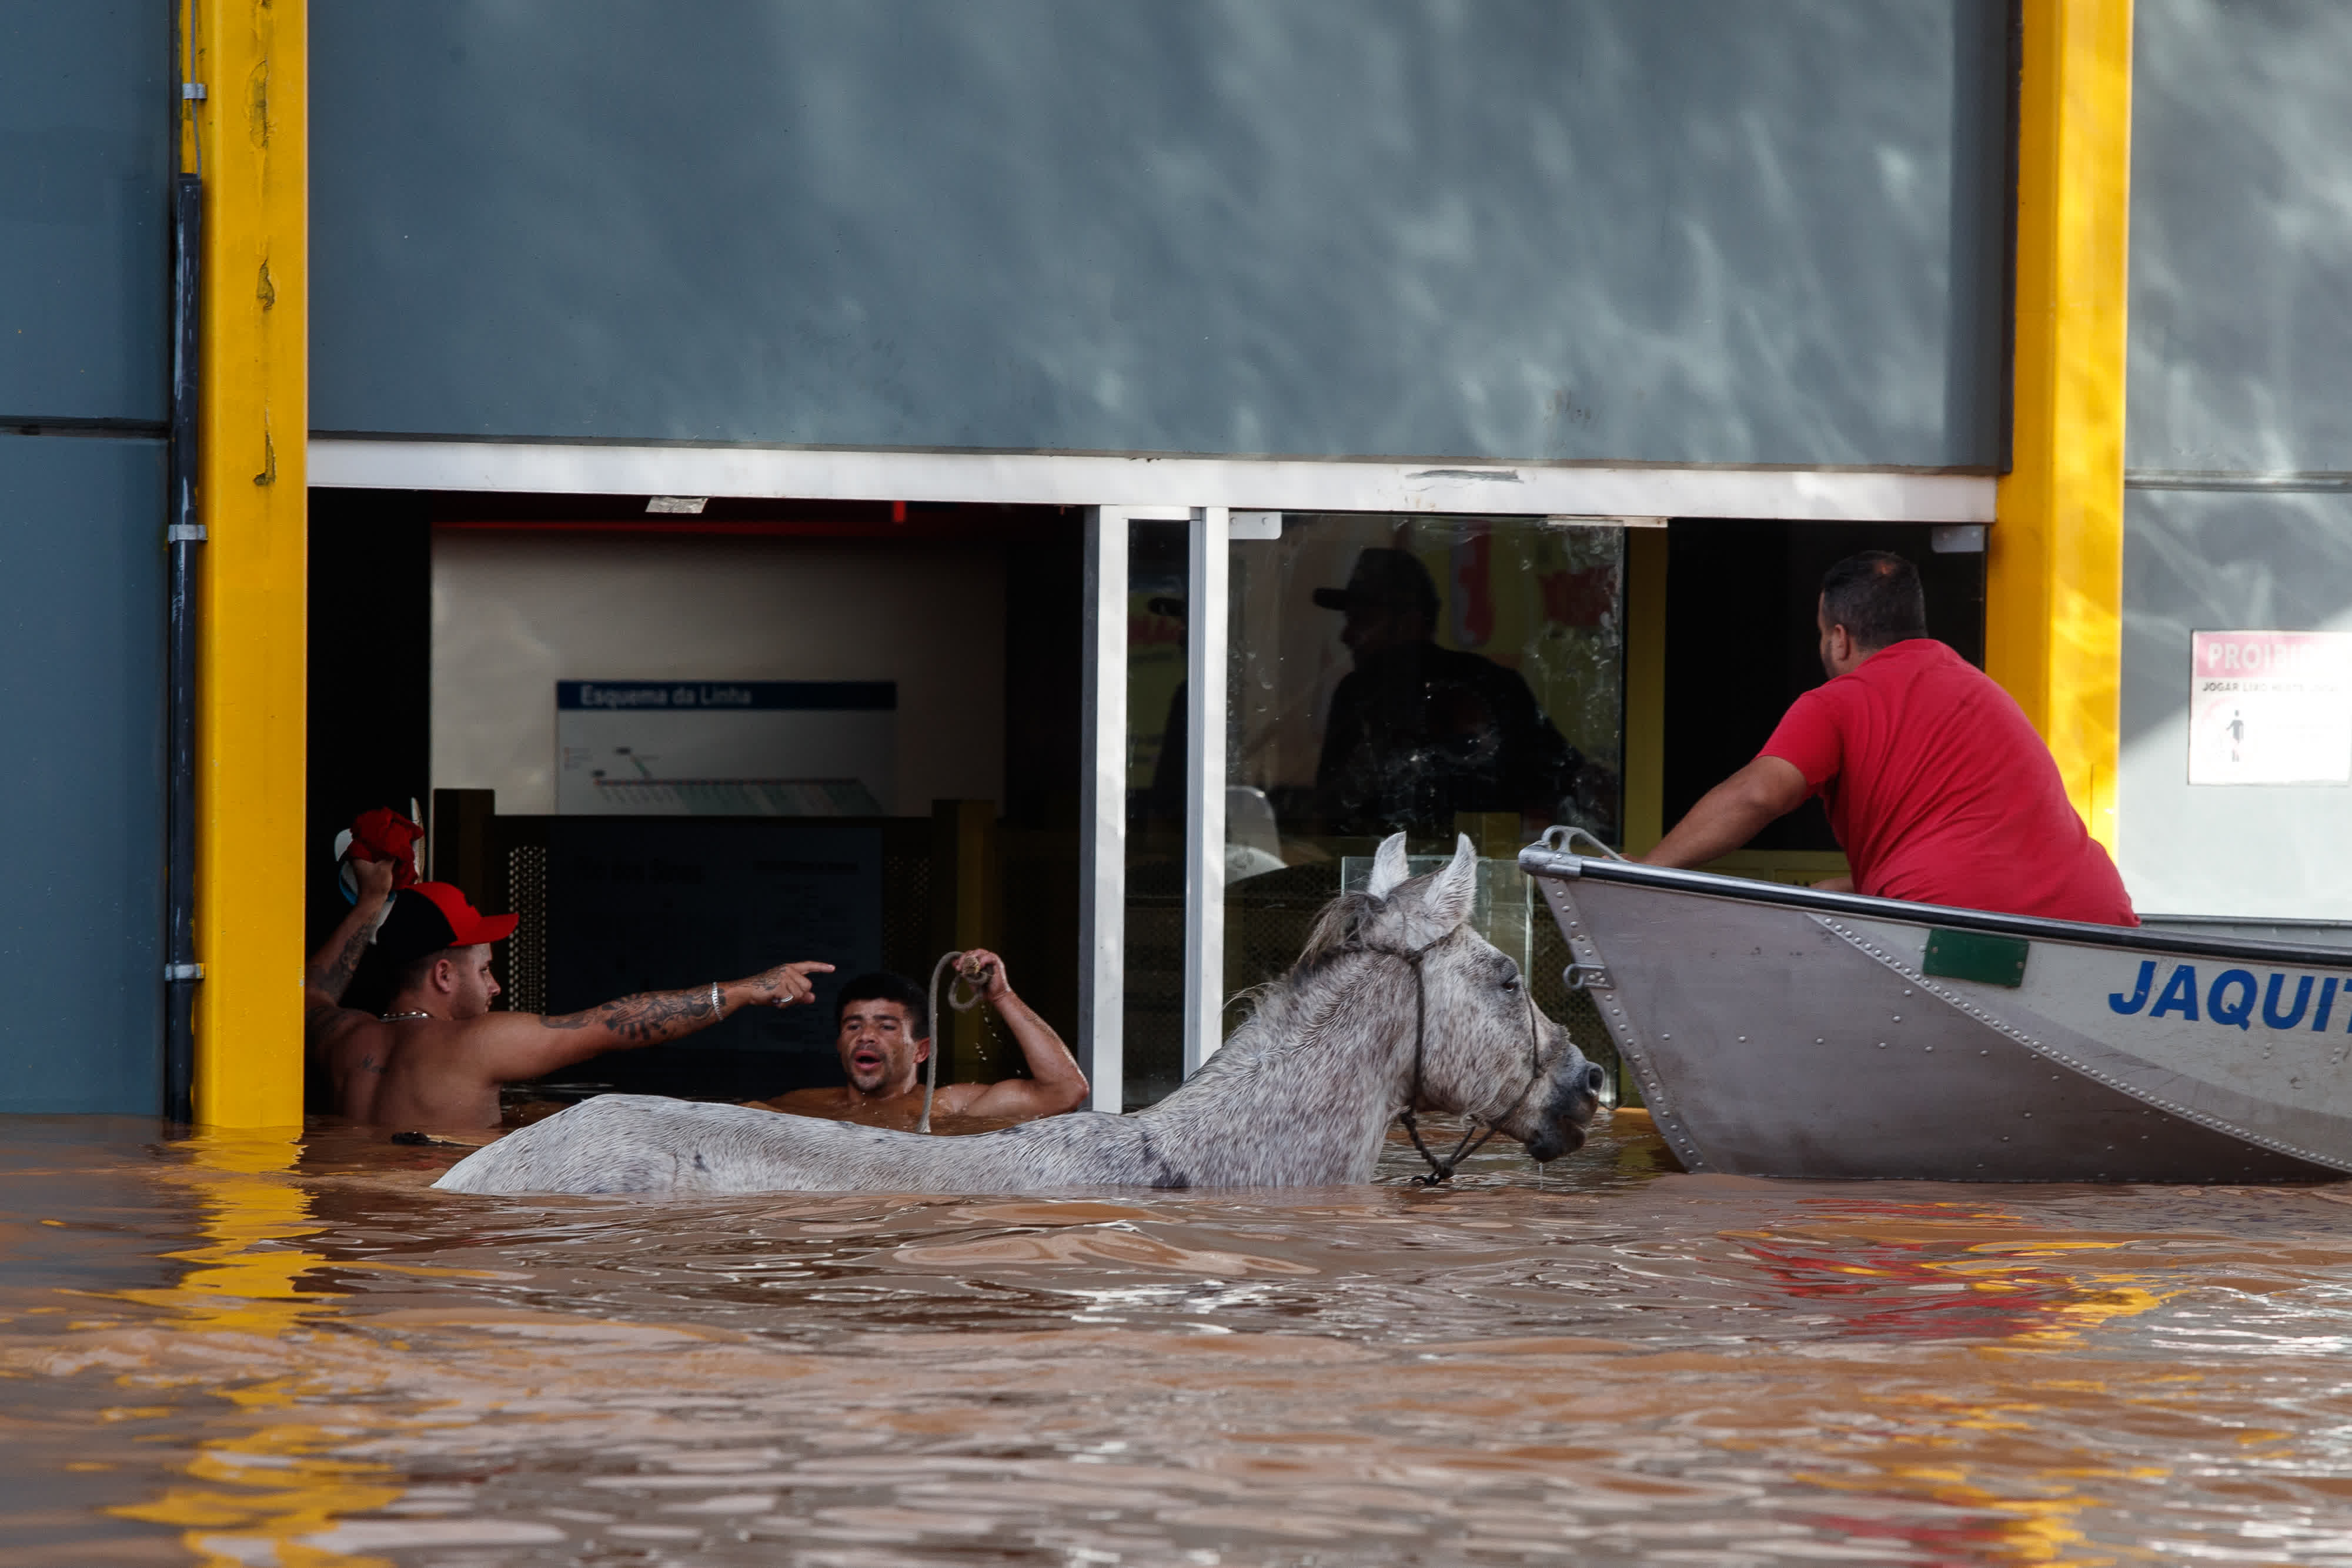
[(416, 972), (1876, 597), (882, 986)]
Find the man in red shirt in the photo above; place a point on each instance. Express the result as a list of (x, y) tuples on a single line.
[(1937, 786)]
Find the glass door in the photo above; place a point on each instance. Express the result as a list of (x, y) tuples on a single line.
[(1159, 687), (1273, 694)]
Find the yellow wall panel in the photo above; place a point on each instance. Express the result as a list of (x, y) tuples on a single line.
[(2053, 621), (250, 145), (1645, 689)]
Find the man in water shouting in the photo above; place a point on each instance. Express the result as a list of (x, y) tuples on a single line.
[(883, 1031), (437, 1055)]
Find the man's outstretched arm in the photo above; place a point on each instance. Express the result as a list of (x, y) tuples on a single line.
[(515, 1045), (1055, 1084), (1733, 812)]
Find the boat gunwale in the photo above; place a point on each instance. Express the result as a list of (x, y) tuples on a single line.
[(1538, 861)]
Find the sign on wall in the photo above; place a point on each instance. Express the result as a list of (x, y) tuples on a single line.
[(730, 748), (2270, 708)]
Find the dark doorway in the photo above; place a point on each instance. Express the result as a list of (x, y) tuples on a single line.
[(1742, 644), (371, 686)]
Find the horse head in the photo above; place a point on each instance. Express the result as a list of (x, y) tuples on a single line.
[(1482, 1049)]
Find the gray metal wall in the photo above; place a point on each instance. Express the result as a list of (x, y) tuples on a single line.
[(1672, 230), (2238, 508), (85, 159)]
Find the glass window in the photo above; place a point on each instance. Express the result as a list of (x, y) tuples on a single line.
[(1153, 1018)]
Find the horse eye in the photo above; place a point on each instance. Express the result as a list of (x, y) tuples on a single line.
[(1511, 982)]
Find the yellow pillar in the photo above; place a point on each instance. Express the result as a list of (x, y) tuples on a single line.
[(249, 139), (1645, 690), (2054, 609)]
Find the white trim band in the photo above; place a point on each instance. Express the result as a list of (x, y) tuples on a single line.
[(1047, 479)]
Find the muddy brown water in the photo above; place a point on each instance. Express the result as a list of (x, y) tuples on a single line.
[(246, 1351)]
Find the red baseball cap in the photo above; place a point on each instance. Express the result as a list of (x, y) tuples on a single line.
[(427, 916), (384, 834)]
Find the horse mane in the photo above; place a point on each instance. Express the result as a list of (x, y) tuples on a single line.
[(1338, 930)]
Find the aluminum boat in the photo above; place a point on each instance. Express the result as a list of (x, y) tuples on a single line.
[(1782, 1031)]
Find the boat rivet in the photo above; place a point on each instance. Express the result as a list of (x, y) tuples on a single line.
[(1881, 1045), (1819, 1040), (1743, 1039), (1931, 1048), (1899, 1018)]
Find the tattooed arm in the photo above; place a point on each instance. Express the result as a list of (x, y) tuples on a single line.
[(331, 968), (515, 1046)]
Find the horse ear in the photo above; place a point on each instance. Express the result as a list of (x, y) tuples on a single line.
[(1390, 867), (1454, 890)]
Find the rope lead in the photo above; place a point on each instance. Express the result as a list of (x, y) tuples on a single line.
[(1443, 1170), (969, 1001)]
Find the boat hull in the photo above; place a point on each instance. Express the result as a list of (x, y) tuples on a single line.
[(1811, 1042)]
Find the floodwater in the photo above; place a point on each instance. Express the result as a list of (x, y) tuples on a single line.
[(240, 1351)]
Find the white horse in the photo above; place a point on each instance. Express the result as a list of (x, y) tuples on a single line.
[(1396, 1005)]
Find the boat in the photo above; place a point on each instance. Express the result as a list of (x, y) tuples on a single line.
[(1779, 1030)]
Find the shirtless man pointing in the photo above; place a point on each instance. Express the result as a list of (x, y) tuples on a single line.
[(437, 1054)]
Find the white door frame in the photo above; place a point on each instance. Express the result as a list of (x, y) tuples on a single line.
[(1102, 876), (1102, 804), (1204, 788), (1470, 487)]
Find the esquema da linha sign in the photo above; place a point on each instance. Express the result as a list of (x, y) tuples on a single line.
[(739, 748)]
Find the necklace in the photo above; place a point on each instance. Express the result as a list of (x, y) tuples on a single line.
[(399, 1018)]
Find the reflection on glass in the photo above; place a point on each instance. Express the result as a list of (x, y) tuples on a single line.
[(1399, 674), (1153, 1050), (1423, 674)]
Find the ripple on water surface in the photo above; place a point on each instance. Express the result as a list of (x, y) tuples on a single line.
[(245, 1352)]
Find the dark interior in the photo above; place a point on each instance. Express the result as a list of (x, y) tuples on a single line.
[(613, 904), (371, 697)]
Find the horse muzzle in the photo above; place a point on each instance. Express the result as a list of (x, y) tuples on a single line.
[(1561, 1124)]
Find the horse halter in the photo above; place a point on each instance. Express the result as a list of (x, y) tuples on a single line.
[(1475, 1136)]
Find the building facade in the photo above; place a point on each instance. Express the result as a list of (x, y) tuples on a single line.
[(1088, 380)]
